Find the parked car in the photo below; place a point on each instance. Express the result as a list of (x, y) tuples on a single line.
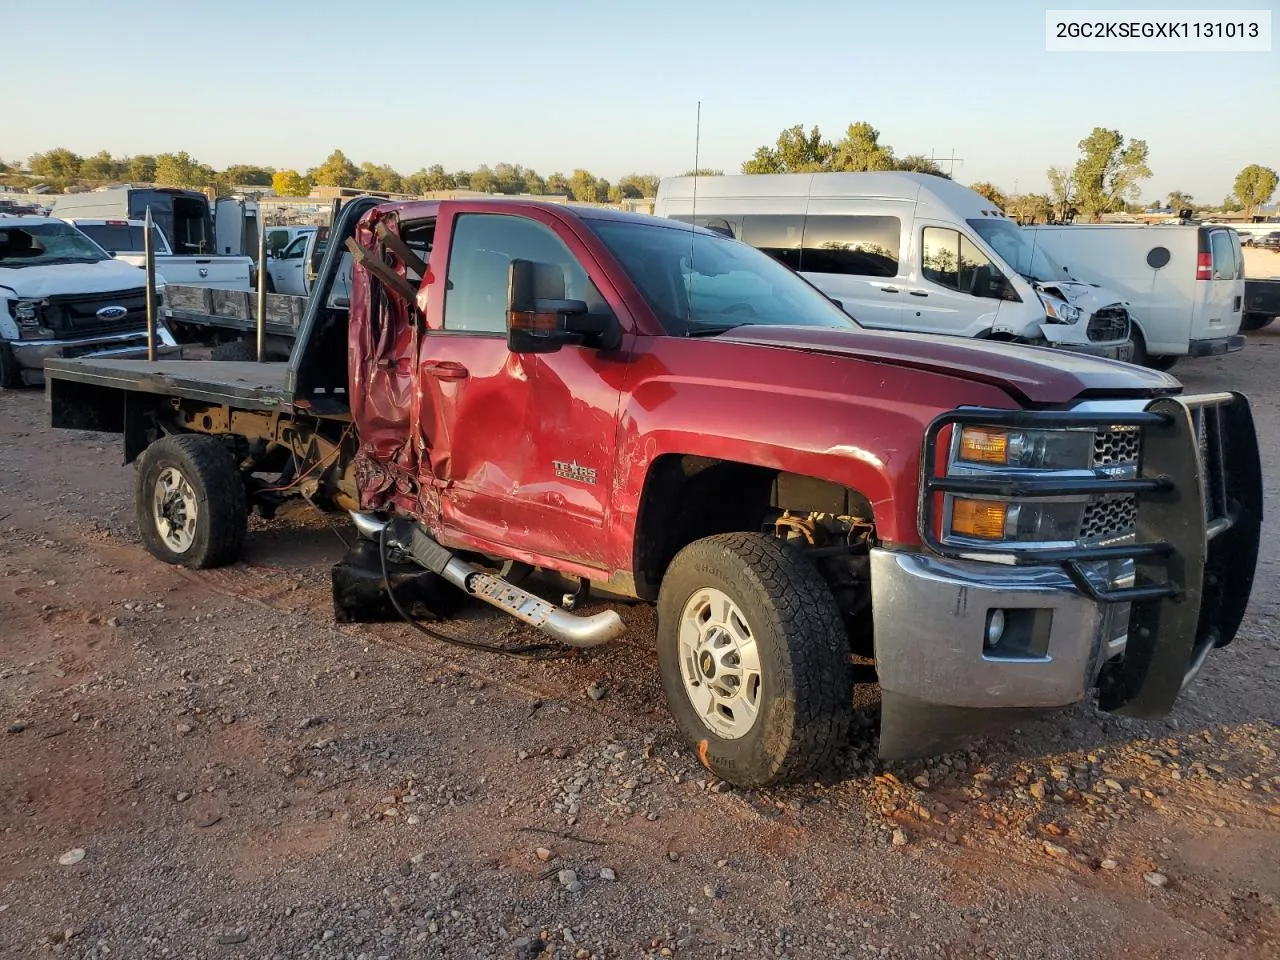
[(61, 295), (278, 238), (657, 412), (294, 270), (123, 239), (908, 251), (1184, 283)]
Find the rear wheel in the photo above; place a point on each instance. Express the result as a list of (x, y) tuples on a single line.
[(1254, 321), (1144, 359), (190, 501), (754, 659)]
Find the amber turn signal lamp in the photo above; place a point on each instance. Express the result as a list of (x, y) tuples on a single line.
[(984, 445), (981, 519)]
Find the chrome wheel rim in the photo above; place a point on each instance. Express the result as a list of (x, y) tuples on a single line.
[(175, 510), (720, 663)]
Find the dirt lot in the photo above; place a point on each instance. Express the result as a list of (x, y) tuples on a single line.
[(245, 779)]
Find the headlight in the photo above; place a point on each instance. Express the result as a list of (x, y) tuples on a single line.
[(29, 315), (1029, 522), (1031, 449), (1060, 311)]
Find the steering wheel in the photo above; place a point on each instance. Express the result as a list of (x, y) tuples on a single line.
[(741, 308)]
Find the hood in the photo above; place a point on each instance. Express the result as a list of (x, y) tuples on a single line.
[(1031, 375), (60, 279), (1089, 297)]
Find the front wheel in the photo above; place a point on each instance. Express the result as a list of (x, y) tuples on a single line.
[(754, 659), (190, 501)]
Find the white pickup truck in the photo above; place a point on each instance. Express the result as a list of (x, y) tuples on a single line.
[(62, 296), (123, 240)]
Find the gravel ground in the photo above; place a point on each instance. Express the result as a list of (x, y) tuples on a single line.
[(206, 765)]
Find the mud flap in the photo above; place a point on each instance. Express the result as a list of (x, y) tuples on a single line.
[(1212, 517)]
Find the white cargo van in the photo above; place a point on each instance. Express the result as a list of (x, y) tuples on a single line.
[(1184, 283), (908, 251)]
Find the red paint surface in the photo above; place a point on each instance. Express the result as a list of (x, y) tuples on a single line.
[(458, 430)]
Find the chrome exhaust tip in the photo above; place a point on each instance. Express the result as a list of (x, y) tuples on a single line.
[(368, 525)]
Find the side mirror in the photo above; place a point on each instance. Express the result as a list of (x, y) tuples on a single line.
[(541, 320)]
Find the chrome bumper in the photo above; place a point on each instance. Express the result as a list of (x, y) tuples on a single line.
[(943, 683), (1111, 351), (31, 354)]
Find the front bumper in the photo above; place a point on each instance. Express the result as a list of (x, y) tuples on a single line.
[(939, 678), (1135, 618), (1216, 346), (1111, 351), (31, 354)]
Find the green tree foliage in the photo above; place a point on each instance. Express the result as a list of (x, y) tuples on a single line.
[(182, 170), (586, 188), (1254, 187), (702, 172), (861, 151), (336, 171), (1178, 200), (558, 185), (482, 180), (141, 169), (101, 166), (1062, 190), (378, 177), (249, 174), (290, 183), (1109, 172), (795, 151), (634, 186), (58, 167), (991, 192), (1028, 207)]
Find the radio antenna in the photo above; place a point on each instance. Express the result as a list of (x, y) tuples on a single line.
[(693, 210)]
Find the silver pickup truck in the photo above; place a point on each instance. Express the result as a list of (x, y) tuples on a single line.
[(123, 239)]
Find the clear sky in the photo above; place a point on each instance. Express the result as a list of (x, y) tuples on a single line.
[(612, 86)]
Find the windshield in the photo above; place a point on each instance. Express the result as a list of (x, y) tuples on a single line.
[(41, 244), (1012, 246), (702, 283), (122, 237)]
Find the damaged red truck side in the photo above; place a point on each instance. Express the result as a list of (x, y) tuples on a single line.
[(672, 416)]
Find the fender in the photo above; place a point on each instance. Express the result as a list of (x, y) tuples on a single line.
[(853, 422)]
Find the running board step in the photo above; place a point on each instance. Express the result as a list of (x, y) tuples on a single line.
[(413, 541)]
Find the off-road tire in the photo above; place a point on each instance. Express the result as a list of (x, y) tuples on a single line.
[(234, 350), (806, 672), (10, 375), (222, 518)]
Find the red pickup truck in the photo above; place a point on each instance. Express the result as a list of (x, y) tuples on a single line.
[(669, 415)]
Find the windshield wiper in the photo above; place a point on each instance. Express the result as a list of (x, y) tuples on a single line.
[(710, 329)]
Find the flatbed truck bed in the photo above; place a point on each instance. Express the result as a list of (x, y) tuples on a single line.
[(243, 385)]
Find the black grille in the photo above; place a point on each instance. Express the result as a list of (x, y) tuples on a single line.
[(1109, 518), (1116, 446), (78, 313), (1109, 323)]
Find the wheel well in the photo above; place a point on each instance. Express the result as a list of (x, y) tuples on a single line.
[(688, 497)]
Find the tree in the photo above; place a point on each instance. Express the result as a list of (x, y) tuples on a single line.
[(703, 172), (1108, 171), (861, 151), (1254, 187), (534, 184), (557, 185), (1231, 204), (637, 185), (919, 163), (1179, 200), (182, 170), (336, 171), (379, 178), (1029, 207), (141, 169), (101, 166), (482, 180), (249, 175), (290, 183), (794, 152), (991, 192), (583, 187), (58, 167), (1061, 190)]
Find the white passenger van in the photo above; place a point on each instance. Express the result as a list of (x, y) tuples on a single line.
[(1184, 283), (908, 251)]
